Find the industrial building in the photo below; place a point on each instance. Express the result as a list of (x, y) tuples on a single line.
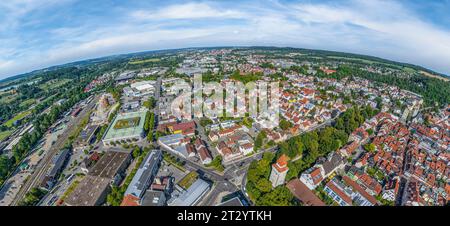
[(92, 190), (145, 174)]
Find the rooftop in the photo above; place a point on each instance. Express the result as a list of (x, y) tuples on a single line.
[(117, 132), (109, 164)]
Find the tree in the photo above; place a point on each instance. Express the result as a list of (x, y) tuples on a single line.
[(284, 124), (369, 147), (280, 196), (136, 152), (205, 121), (259, 140)]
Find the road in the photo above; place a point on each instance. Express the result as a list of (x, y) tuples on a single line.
[(39, 173), (234, 177)]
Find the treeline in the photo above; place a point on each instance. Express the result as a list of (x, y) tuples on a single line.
[(433, 90), (149, 125)]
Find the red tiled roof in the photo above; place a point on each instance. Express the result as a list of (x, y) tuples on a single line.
[(203, 153), (339, 192), (360, 190), (130, 200), (302, 193)]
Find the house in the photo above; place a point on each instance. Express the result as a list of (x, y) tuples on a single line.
[(185, 128), (191, 152), (312, 177), (246, 148), (334, 162), (204, 155), (337, 192), (226, 152), (213, 136)]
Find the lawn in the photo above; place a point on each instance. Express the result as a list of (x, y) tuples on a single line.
[(8, 99), (52, 84), (27, 102), (188, 180), (145, 61), (127, 123), (5, 134), (19, 116)]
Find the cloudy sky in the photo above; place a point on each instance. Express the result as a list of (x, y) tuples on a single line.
[(39, 33)]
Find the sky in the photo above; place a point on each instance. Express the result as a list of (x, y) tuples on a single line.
[(36, 34)]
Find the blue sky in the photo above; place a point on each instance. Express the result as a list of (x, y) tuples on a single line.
[(39, 33)]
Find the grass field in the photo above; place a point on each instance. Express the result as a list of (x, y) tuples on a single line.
[(145, 61), (434, 76), (53, 84), (127, 123), (19, 116), (27, 102), (5, 134), (188, 180), (8, 99)]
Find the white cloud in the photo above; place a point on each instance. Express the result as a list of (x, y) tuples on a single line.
[(385, 29), (187, 11)]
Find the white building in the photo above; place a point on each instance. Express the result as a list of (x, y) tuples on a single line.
[(279, 171)]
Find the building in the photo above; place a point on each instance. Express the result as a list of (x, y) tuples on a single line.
[(92, 190), (126, 127), (86, 138), (279, 171), (204, 155), (191, 195), (55, 169), (312, 177), (145, 174), (246, 148), (232, 202), (175, 143), (154, 198), (347, 193), (303, 193)]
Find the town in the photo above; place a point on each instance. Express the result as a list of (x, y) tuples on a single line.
[(345, 137)]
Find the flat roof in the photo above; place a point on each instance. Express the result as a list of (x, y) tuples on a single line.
[(109, 164), (153, 198), (126, 132), (88, 192), (232, 202), (192, 194), (144, 174)]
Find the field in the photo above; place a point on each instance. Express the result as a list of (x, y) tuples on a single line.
[(19, 116), (27, 102), (407, 69), (188, 180), (53, 84), (8, 99), (145, 61), (127, 123), (4, 134), (434, 76)]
